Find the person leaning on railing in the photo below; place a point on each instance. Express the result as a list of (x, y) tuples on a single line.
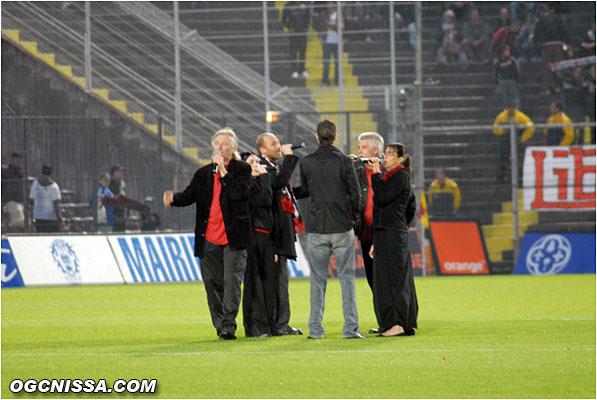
[(504, 118), (558, 136)]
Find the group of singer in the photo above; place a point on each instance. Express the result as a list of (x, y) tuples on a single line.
[(247, 221)]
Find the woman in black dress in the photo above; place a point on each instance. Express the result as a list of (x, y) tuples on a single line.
[(259, 283), (394, 296)]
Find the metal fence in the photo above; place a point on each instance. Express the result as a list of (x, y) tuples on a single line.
[(79, 149)]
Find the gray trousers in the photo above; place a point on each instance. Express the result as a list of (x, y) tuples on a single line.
[(222, 269), (320, 247)]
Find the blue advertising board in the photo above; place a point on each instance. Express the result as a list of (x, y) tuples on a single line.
[(548, 254), (11, 277)]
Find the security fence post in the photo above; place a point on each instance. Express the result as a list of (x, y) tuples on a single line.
[(514, 170)]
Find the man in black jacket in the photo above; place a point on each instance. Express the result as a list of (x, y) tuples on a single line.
[(222, 229), (285, 212), (296, 17), (328, 177)]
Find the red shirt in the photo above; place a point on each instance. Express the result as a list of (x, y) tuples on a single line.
[(366, 235), (216, 231)]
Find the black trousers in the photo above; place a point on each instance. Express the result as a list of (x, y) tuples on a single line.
[(298, 46), (368, 261), (282, 298), (47, 226), (259, 287), (222, 269), (394, 295)]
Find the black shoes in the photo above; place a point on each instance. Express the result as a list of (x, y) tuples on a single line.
[(373, 331), (289, 330), (227, 334)]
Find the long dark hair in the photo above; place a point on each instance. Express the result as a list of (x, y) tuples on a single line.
[(401, 151)]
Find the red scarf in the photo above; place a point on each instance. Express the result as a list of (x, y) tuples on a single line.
[(392, 172)]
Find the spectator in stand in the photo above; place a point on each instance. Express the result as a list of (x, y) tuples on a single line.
[(587, 46), (519, 9), (13, 193), (503, 19), (504, 118), (45, 202), (259, 290), (330, 44), (353, 15), (506, 78), (105, 215), (502, 38), (450, 40), (558, 136), (572, 87), (551, 36), (476, 37), (525, 44), (296, 17), (150, 220), (444, 195), (117, 187), (589, 95), (461, 11), (405, 25)]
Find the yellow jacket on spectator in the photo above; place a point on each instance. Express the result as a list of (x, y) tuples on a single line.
[(520, 118), (449, 187), (562, 118)]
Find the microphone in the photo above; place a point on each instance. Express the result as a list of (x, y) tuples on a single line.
[(216, 165), (298, 146)]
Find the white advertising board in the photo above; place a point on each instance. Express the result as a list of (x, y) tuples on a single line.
[(65, 260), (559, 177), (169, 257)]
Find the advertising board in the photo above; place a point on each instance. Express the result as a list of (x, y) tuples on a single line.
[(65, 260), (554, 253), (559, 177), (458, 248)]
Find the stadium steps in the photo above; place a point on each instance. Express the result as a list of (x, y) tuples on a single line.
[(104, 94), (327, 100), (499, 236)]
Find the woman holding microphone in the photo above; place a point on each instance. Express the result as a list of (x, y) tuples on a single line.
[(394, 205)]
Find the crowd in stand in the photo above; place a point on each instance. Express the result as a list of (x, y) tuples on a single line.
[(42, 202)]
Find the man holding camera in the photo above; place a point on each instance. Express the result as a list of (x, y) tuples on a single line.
[(328, 177), (286, 216)]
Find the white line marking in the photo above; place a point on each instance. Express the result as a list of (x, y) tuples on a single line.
[(228, 353)]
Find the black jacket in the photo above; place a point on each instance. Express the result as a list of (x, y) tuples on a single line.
[(234, 203), (12, 184), (328, 177), (283, 233), (297, 15), (394, 204), (260, 202)]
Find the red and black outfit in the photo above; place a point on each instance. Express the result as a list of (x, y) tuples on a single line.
[(222, 234), (286, 216), (394, 295), (259, 286), (365, 229)]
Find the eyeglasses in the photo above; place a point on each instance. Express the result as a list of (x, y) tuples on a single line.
[(389, 154)]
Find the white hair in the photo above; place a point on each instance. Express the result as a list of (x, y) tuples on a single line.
[(374, 138), (233, 140)]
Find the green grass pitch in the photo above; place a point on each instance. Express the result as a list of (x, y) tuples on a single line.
[(478, 337)]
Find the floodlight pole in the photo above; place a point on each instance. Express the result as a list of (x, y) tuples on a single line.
[(514, 171), (340, 78), (266, 71), (177, 100), (419, 140), (88, 46), (392, 74)]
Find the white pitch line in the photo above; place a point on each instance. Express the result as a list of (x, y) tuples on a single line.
[(228, 353)]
